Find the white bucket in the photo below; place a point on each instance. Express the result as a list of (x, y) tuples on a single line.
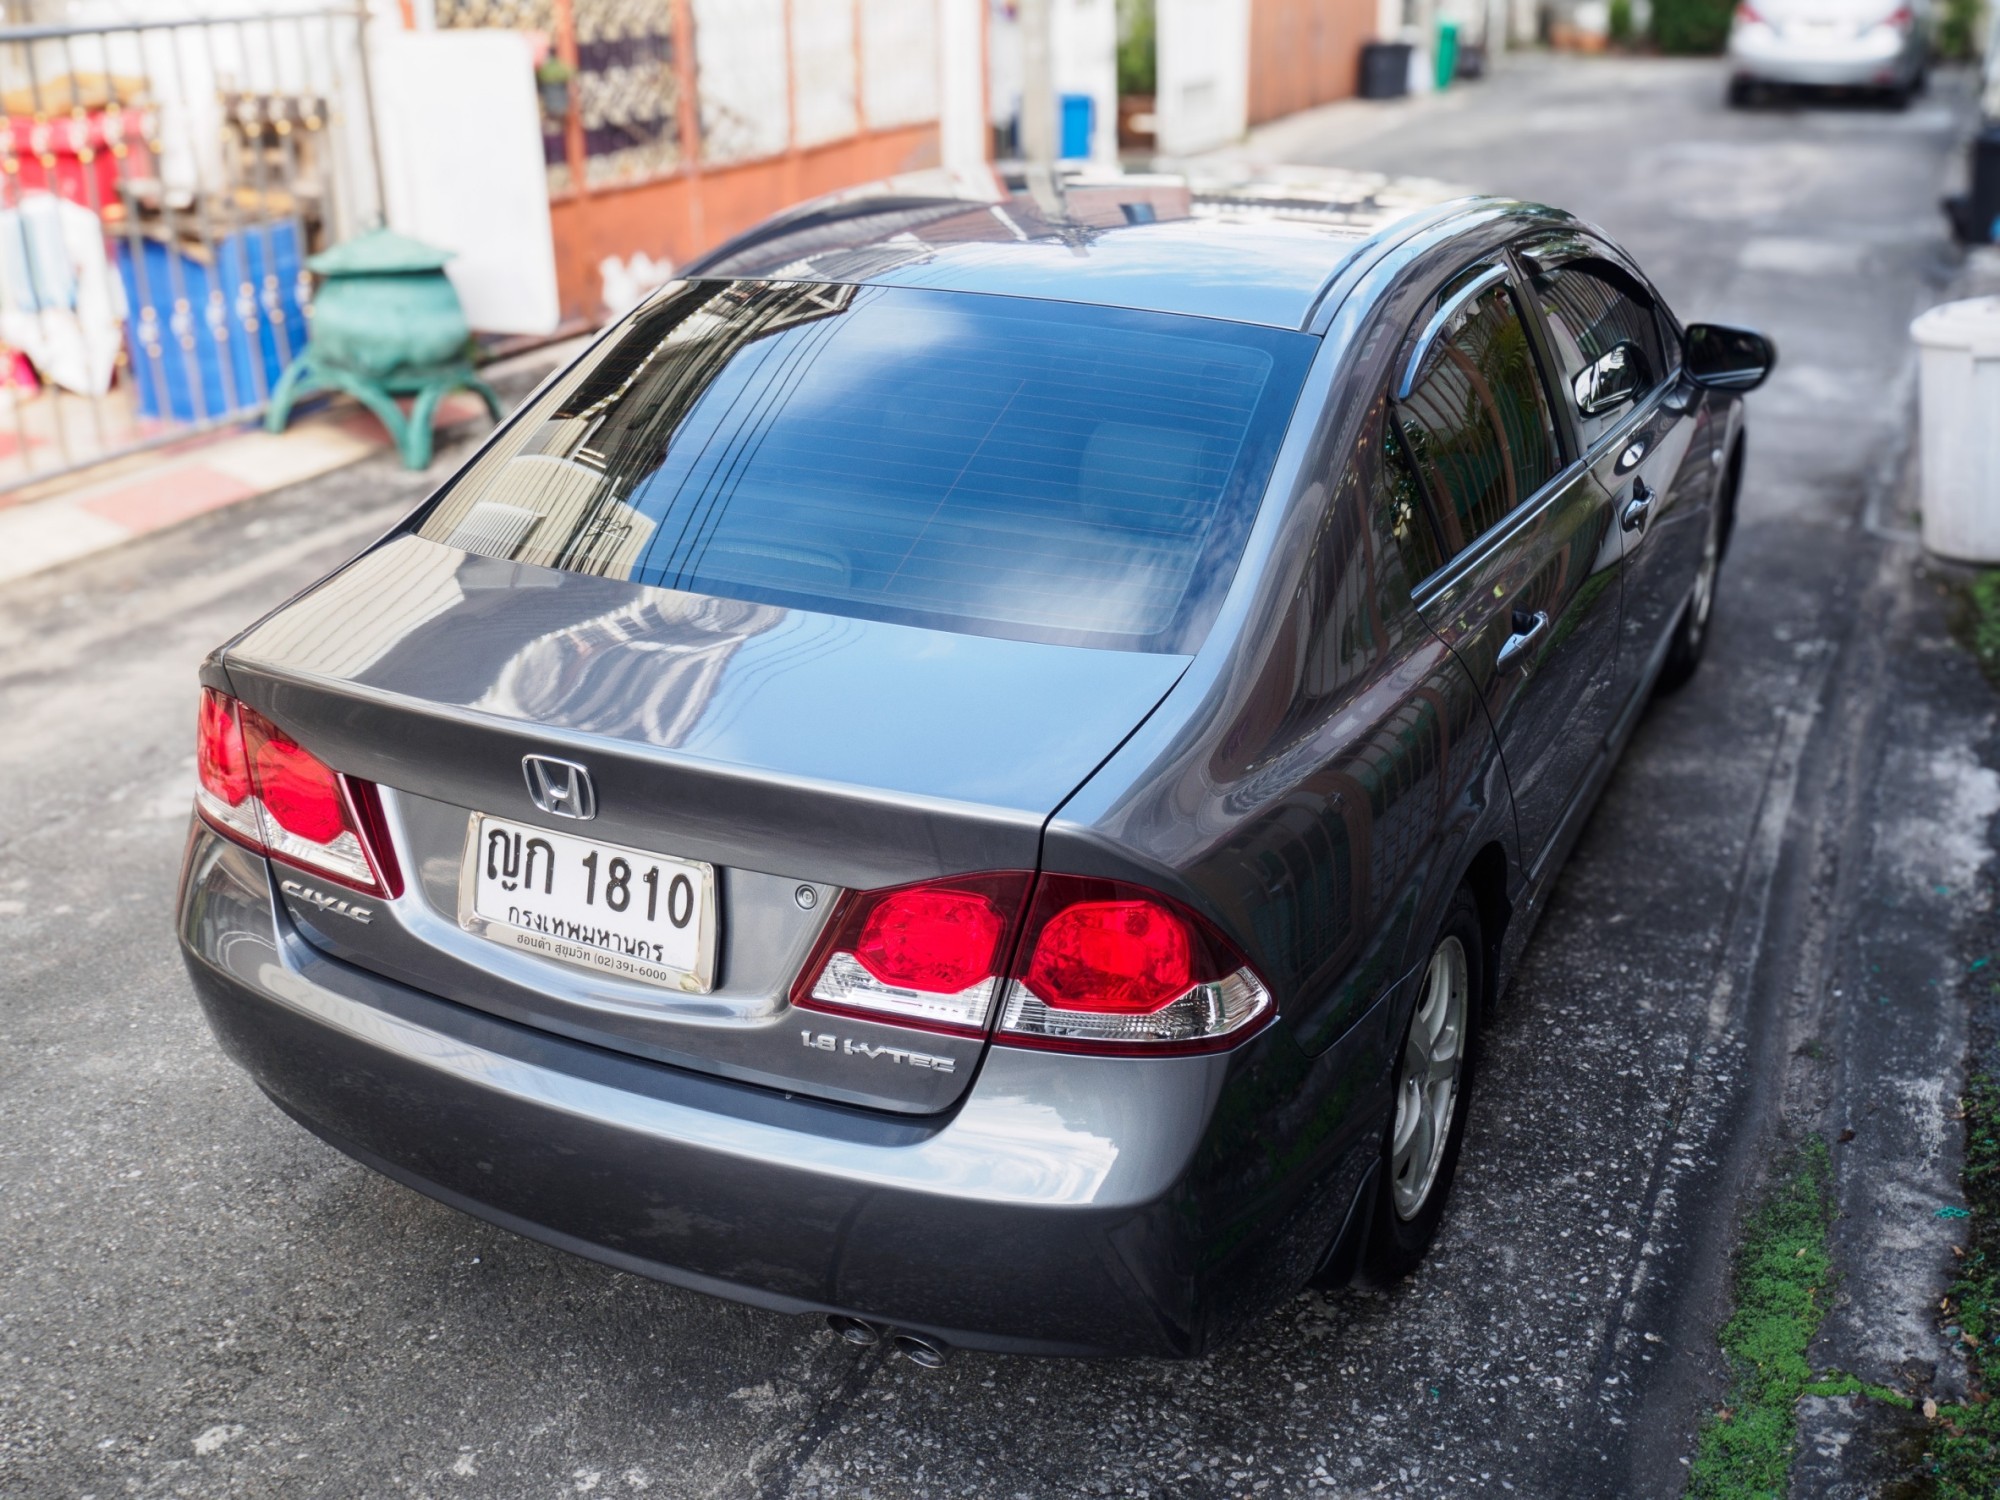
[(1959, 348)]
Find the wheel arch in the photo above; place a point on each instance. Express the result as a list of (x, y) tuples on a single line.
[(1486, 877), (1731, 483)]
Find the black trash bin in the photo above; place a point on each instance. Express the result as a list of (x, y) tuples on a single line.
[(1975, 216), (1385, 70)]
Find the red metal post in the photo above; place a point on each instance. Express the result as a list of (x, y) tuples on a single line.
[(573, 152)]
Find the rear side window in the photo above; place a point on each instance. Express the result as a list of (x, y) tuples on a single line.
[(1476, 424), (990, 464), (1591, 311)]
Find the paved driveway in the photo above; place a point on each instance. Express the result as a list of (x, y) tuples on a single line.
[(198, 1299)]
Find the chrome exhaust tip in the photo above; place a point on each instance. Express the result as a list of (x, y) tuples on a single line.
[(923, 1352), (854, 1331)]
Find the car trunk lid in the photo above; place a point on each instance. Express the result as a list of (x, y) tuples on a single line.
[(794, 754)]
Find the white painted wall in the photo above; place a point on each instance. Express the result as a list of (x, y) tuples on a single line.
[(962, 124), (899, 58), (823, 72), (1204, 73)]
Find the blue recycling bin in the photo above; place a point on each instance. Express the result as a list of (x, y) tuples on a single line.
[(1079, 124), (237, 350)]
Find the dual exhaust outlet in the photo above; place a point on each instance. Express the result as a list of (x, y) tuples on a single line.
[(919, 1349)]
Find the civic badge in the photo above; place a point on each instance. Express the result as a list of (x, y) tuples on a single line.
[(559, 787)]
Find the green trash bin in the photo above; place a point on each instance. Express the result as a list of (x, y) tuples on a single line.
[(1447, 53)]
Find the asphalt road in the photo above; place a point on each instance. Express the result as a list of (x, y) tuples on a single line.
[(198, 1299)]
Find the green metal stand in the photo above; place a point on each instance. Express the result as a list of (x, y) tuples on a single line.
[(385, 323), (411, 434)]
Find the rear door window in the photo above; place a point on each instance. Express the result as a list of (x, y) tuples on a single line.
[(1476, 423), (1032, 469)]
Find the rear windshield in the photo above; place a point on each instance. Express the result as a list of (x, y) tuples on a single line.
[(998, 465)]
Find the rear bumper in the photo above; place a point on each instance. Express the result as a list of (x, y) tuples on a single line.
[(1861, 63), (1057, 1210)]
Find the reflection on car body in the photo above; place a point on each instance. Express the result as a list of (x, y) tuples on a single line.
[(1114, 688)]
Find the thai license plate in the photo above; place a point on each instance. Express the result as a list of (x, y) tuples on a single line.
[(638, 915)]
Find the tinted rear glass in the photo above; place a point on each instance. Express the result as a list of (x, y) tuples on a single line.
[(1000, 465), (1478, 424)]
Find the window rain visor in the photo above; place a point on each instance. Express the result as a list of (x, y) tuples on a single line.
[(994, 465)]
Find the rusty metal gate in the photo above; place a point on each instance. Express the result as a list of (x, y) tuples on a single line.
[(162, 182)]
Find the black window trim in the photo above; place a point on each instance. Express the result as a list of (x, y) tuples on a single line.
[(1502, 273)]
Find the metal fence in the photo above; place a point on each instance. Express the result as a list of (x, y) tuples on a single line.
[(162, 183)]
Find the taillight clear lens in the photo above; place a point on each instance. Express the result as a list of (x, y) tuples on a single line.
[(1203, 1017), (1113, 967), (261, 786), (930, 954)]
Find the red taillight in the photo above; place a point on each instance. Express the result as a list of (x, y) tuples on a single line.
[(220, 757), (260, 786), (222, 769), (927, 954), (1108, 966), (1098, 965), (938, 941), (1747, 14), (1900, 18), (300, 791), (1117, 957)]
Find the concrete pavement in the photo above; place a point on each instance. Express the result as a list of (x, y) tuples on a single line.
[(198, 1299)]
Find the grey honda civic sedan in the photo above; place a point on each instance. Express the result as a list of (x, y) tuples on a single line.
[(976, 766)]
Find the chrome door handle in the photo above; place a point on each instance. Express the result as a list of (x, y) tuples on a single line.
[(1639, 507), (1528, 628)]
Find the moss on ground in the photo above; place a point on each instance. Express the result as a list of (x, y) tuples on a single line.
[(1782, 1269), (1964, 1453), (1976, 620)]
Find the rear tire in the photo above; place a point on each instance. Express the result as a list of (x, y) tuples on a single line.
[(1432, 1086), (1741, 93)]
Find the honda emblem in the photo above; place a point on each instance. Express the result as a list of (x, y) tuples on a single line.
[(559, 787)]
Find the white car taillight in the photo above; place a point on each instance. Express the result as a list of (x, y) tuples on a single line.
[(1096, 966), (258, 785)]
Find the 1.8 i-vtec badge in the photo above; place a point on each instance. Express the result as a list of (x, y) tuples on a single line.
[(826, 1041)]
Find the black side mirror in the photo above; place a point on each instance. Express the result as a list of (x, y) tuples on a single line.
[(1728, 359), (1612, 379)]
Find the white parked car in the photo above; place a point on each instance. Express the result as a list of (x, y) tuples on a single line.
[(1853, 44)]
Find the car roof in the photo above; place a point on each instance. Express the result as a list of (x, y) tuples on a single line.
[(1251, 248)]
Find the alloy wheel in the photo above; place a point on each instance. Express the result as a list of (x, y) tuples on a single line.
[(1428, 1078)]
